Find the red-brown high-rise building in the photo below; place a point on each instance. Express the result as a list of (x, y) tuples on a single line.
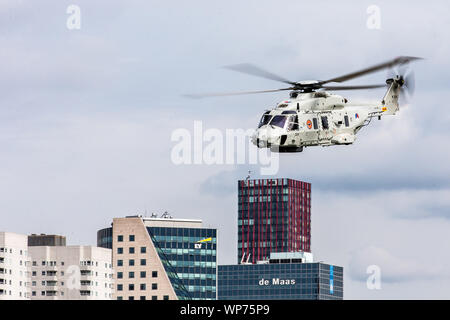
[(274, 215)]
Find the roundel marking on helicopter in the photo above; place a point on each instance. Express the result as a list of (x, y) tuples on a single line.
[(356, 116), (309, 124)]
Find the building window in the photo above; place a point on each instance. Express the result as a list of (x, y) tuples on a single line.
[(143, 249), (120, 238), (131, 262), (119, 275), (131, 298), (131, 237), (154, 297), (119, 263), (119, 298), (154, 286), (143, 286), (131, 250), (34, 273), (143, 298), (131, 287), (119, 250), (143, 262), (131, 275), (143, 274), (33, 293), (154, 274), (119, 287), (165, 297)]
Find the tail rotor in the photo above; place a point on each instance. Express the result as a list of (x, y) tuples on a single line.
[(404, 77)]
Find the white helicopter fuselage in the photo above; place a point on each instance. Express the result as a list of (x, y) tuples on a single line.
[(318, 119)]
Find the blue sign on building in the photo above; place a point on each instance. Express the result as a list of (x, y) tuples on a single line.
[(331, 280)]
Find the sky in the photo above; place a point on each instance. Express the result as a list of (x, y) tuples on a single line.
[(87, 116)]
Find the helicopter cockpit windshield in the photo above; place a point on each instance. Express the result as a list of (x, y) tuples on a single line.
[(265, 119), (278, 121)]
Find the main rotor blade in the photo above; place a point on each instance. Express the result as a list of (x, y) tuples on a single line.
[(258, 72), (374, 86), (389, 64), (207, 95)]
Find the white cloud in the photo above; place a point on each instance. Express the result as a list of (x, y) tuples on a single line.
[(393, 269)]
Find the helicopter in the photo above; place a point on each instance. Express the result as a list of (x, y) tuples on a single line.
[(313, 116)]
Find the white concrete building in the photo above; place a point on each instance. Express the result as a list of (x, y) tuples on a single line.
[(71, 273), (14, 267)]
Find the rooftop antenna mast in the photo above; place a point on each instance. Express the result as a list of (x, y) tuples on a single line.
[(248, 176), (166, 215)]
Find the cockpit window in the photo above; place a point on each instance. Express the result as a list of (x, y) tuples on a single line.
[(264, 120), (278, 121)]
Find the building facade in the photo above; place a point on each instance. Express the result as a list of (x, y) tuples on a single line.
[(14, 267), (280, 281), (71, 273), (162, 258), (274, 215), (46, 240)]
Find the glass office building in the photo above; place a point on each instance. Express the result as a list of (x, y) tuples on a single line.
[(192, 253), (104, 238), (274, 215), (186, 250), (280, 281)]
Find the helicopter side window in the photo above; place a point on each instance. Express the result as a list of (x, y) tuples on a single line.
[(324, 122), (278, 121), (346, 121), (265, 119), (315, 124), (293, 123), (295, 127)]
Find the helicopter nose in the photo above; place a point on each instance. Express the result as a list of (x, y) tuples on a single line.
[(260, 137)]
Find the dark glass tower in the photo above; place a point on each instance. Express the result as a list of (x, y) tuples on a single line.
[(274, 215), (281, 281)]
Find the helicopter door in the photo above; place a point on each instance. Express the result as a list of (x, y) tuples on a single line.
[(324, 122), (311, 130), (293, 136)]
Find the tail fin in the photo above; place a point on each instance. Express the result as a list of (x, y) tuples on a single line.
[(390, 100)]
